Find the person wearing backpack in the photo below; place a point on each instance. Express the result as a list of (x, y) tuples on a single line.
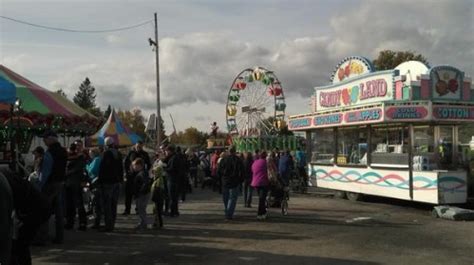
[(231, 172), (142, 187)]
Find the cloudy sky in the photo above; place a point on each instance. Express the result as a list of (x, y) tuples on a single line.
[(205, 44)]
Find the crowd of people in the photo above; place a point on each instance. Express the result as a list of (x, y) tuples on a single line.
[(62, 178), (261, 171)]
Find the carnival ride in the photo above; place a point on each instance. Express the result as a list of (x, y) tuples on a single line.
[(255, 104), (255, 113)]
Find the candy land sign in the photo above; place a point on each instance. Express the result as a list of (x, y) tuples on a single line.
[(370, 89)]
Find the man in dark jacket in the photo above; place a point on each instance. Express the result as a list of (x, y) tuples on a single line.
[(173, 171), (183, 180), (32, 209), (231, 171), (52, 177), (6, 222), (75, 177), (109, 179), (136, 152)]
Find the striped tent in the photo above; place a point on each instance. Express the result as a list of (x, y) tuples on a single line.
[(114, 128), (42, 109)]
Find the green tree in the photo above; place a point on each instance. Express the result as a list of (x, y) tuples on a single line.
[(389, 59), (134, 120), (85, 98), (193, 136), (61, 92), (107, 112)]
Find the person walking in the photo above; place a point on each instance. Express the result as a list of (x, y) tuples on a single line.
[(75, 178), (183, 180), (172, 172), (231, 171), (247, 188), (93, 172), (158, 191), (193, 163), (52, 177), (214, 159), (136, 152), (260, 182), (109, 179), (141, 193), (285, 166)]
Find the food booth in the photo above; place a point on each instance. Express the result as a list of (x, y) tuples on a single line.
[(390, 133)]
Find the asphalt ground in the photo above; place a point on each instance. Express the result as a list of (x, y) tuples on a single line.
[(318, 230)]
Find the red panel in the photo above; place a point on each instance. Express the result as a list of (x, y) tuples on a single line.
[(398, 90), (425, 89), (466, 93)]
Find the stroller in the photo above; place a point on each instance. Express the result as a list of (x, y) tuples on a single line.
[(276, 193)]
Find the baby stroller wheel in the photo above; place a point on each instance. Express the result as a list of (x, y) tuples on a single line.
[(284, 207)]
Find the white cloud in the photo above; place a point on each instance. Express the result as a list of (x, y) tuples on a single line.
[(197, 68), (114, 39)]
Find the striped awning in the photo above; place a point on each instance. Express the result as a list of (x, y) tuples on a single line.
[(46, 109), (115, 129)]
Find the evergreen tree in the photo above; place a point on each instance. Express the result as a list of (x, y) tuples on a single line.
[(85, 97), (107, 112)]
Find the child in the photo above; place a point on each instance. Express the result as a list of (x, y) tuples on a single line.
[(142, 191), (158, 192)]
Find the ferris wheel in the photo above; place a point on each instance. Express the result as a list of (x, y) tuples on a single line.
[(255, 103)]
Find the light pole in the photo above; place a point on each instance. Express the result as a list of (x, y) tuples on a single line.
[(158, 106), (15, 142)]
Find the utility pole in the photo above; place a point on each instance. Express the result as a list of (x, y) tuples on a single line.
[(158, 106)]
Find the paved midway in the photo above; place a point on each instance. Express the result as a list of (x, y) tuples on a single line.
[(319, 230)]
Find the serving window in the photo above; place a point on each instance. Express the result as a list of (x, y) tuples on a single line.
[(323, 146), (389, 146), (423, 148), (352, 146)]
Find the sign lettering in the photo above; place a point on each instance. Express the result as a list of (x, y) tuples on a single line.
[(453, 113), (328, 119), (406, 113), (370, 89), (300, 123), (363, 115)]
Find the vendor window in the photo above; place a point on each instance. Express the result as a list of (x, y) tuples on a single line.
[(389, 146), (352, 146), (445, 148), (423, 148), (322, 146)]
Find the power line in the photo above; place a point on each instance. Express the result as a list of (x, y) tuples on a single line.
[(74, 30)]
